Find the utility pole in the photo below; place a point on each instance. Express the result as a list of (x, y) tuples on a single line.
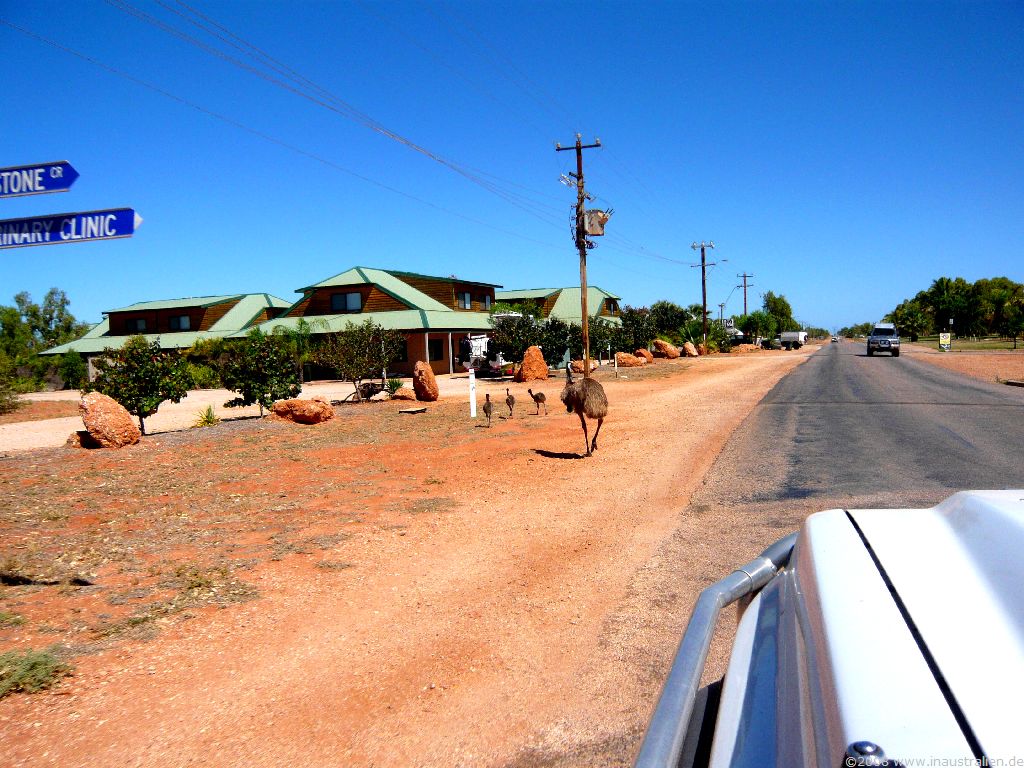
[(721, 314), (581, 241), (703, 284), (744, 287)]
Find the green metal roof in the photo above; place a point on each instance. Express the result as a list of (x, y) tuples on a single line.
[(96, 344), (402, 320), (391, 283), (567, 305), (248, 308), (196, 301), (532, 293)]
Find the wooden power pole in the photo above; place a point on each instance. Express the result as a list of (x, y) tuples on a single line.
[(745, 286), (581, 241)]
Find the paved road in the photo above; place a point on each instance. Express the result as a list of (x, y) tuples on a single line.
[(847, 430)]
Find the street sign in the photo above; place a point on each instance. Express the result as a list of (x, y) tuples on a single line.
[(68, 228), (37, 179)]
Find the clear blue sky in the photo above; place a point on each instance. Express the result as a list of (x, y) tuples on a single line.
[(845, 154)]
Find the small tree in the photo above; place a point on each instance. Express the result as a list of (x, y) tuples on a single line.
[(359, 352), (140, 376), (299, 340), (758, 323), (260, 370), (72, 369), (515, 329), (639, 327), (554, 340), (9, 401)]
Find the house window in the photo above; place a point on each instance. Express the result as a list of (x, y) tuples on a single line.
[(465, 300), (435, 349), (486, 301), (180, 323), (346, 302), (135, 325)]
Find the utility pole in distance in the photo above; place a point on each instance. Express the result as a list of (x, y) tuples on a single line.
[(744, 287), (703, 284), (581, 241)]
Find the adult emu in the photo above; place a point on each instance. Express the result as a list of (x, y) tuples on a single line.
[(587, 398)]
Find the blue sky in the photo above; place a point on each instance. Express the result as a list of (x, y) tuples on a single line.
[(845, 154)]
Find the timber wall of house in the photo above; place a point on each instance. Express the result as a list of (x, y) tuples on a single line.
[(159, 320), (214, 314), (373, 300)]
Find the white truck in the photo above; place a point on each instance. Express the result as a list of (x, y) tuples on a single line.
[(793, 339), (872, 637)]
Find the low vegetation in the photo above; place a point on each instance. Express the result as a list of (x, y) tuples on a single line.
[(29, 671)]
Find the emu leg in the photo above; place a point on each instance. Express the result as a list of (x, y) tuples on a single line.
[(586, 438), (593, 445)]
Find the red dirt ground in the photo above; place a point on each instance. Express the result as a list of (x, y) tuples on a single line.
[(379, 590)]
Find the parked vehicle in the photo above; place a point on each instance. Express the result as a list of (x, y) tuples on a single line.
[(793, 339), (884, 338), (869, 638)]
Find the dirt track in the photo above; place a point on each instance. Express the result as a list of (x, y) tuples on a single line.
[(489, 598)]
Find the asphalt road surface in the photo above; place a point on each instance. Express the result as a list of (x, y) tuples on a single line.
[(848, 430)]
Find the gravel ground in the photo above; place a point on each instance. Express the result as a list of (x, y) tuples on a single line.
[(381, 589)]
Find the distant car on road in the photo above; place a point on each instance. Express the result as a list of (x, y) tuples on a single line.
[(884, 338), (835, 339)]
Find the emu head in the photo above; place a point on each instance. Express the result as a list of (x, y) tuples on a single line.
[(569, 393)]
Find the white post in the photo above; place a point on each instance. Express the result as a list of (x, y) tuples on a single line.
[(472, 393), (616, 365), (451, 357), (426, 347)]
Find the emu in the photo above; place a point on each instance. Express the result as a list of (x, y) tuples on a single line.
[(539, 399), (587, 398), (488, 407), (510, 401)]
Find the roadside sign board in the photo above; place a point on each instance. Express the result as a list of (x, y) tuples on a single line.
[(68, 228), (39, 179), (945, 341)]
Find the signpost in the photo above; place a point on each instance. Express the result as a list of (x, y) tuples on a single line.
[(944, 341), (68, 228), (39, 179), (54, 229)]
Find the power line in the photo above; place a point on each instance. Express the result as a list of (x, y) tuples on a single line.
[(262, 135)]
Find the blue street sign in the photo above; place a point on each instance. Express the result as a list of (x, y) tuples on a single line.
[(68, 228), (37, 179)]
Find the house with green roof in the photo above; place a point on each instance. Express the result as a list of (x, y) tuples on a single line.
[(433, 313), (176, 323), (564, 303)]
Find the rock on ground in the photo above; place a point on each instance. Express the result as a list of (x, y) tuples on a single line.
[(302, 411), (577, 366), (645, 354), (626, 360), (424, 383), (108, 422), (664, 349), (689, 350), (533, 367)]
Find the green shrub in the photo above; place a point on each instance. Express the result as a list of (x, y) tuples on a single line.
[(203, 376), (206, 418), (30, 671), (72, 369), (10, 619), (392, 386), (9, 401)]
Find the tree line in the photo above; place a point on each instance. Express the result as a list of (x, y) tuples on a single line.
[(987, 307)]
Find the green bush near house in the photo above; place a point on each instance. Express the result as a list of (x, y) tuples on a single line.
[(30, 671), (203, 376), (393, 385)]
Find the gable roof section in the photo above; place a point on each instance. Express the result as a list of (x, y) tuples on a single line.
[(390, 281), (197, 301), (248, 308), (404, 320), (567, 305)]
